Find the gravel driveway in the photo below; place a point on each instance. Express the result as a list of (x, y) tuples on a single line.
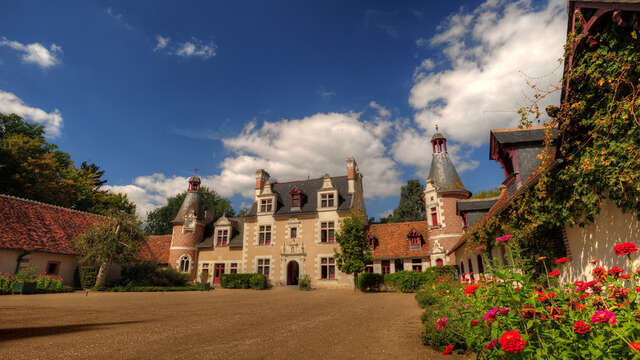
[(221, 324)]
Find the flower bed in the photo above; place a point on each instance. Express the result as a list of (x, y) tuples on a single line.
[(511, 316), (42, 283), (149, 288)]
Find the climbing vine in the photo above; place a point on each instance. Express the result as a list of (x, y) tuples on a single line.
[(597, 153)]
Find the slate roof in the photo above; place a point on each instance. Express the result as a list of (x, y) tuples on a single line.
[(309, 189), (444, 174), (35, 226), (476, 204), (392, 242), (190, 204), (156, 248), (516, 135), (237, 226)]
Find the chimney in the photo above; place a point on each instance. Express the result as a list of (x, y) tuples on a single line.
[(352, 173), (261, 178)]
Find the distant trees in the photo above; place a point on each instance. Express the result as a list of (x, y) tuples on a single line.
[(410, 207), (32, 168), (482, 194), (158, 221)]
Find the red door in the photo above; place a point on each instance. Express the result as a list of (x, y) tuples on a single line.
[(219, 270)]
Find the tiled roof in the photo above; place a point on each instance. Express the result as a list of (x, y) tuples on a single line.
[(309, 189), (155, 248), (392, 239), (34, 226)]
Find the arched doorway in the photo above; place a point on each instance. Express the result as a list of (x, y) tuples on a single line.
[(293, 272)]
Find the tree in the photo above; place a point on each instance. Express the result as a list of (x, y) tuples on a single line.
[(410, 207), (158, 221), (113, 241), (482, 194), (354, 254), (32, 168)]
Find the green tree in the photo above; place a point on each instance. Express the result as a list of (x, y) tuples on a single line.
[(113, 241), (32, 168), (483, 194), (411, 206), (354, 254), (158, 221)]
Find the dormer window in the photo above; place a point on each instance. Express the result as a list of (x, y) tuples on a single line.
[(266, 205), (296, 199), (222, 238), (327, 200), (415, 239), (373, 241), (434, 216)]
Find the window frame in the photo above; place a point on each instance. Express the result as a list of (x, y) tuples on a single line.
[(233, 268), (327, 268), (266, 205), (327, 232), (385, 269), (434, 216), (222, 237), (264, 235), (184, 259), (263, 266)]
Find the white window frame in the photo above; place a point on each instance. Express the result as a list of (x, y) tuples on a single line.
[(330, 225), (267, 233), (261, 264), (327, 193)]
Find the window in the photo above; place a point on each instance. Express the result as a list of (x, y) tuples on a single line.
[(266, 205), (415, 239), (480, 265), (184, 264), (416, 264), (372, 241), (263, 267), (439, 262), (53, 267), (462, 268), (386, 266), (222, 238), (434, 217), (327, 232), (296, 198), (328, 268), (293, 233), (398, 264), (234, 268), (327, 200), (368, 269), (264, 236)]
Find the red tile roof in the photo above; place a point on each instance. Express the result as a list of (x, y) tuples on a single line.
[(156, 248), (392, 239), (34, 226)]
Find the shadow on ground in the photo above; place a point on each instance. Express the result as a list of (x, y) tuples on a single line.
[(29, 332)]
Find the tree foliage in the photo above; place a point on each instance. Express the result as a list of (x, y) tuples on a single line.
[(410, 207), (354, 254), (32, 168), (158, 221), (483, 194)]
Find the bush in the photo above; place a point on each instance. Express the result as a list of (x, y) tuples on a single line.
[(426, 297), (370, 282), (147, 273), (6, 283), (305, 283), (407, 281), (88, 275), (236, 281), (258, 282), (129, 288)]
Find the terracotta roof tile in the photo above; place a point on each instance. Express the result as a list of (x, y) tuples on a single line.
[(34, 226), (392, 239), (156, 248)]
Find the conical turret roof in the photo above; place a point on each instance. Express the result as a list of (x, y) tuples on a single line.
[(190, 205), (443, 174)]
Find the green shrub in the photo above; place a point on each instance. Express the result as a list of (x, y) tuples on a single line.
[(258, 282), (236, 281), (129, 288), (305, 283), (427, 296), (26, 274), (407, 281), (370, 282), (88, 274), (147, 273)]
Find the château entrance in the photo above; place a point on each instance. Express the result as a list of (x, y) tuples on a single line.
[(293, 273)]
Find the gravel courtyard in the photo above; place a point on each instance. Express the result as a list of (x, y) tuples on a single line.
[(220, 324)]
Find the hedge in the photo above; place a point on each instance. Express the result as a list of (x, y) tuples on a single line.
[(147, 288), (244, 281), (412, 281), (368, 282)]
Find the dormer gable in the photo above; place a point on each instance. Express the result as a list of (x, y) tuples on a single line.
[(296, 199), (415, 239)]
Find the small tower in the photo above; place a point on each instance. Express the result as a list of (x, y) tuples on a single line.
[(188, 229)]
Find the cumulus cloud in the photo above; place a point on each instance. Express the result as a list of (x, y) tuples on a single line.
[(162, 42), (494, 51), (289, 150), (35, 53), (52, 121)]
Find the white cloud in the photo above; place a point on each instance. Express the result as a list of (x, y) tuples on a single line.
[(382, 111), (119, 18), (493, 50), (35, 53), (288, 150), (422, 42), (385, 213), (198, 48), (162, 42), (52, 121)]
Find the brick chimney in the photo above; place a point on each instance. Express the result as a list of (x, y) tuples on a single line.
[(261, 179), (352, 174)]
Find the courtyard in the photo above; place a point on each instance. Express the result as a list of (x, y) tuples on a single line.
[(281, 323)]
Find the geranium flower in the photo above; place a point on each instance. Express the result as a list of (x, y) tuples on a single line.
[(580, 307), (562, 260), (635, 346), (480, 248), (604, 316), (614, 271), (448, 349), (491, 345), (625, 248), (504, 238), (441, 323), (581, 327), (599, 273), (474, 322), (625, 276), (554, 273), (511, 342), (470, 289)]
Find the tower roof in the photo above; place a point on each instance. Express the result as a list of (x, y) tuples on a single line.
[(190, 205), (444, 175)]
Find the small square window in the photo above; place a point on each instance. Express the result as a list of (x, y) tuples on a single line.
[(327, 200), (53, 268), (266, 205)]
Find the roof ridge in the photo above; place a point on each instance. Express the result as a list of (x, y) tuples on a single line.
[(480, 199), (318, 178), (50, 205), (537, 127)]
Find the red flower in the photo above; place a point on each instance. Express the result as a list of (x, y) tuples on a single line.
[(554, 273), (504, 238), (625, 276), (615, 271), (470, 289), (480, 248), (562, 260), (448, 349), (580, 307), (581, 327), (638, 289), (511, 342), (625, 248), (635, 346), (599, 273), (474, 322)]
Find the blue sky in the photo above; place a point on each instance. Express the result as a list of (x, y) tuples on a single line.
[(151, 90)]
